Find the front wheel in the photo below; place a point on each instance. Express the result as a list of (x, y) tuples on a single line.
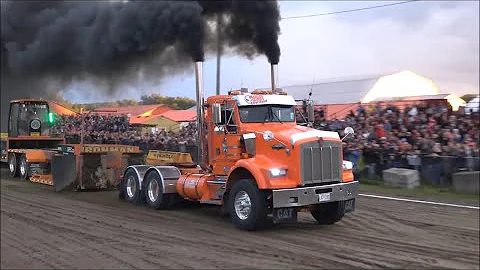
[(154, 191), (329, 213), (247, 205)]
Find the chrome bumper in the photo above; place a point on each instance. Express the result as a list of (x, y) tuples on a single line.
[(311, 195)]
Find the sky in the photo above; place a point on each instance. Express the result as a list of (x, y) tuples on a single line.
[(435, 39)]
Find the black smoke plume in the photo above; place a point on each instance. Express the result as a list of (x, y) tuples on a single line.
[(110, 41), (252, 26)]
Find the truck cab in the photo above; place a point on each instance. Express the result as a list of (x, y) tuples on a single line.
[(255, 136), (29, 131)]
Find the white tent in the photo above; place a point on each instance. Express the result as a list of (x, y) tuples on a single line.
[(473, 106)]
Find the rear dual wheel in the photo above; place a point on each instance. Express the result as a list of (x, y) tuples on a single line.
[(151, 191), (18, 166), (13, 165), (131, 187), (23, 167), (154, 194)]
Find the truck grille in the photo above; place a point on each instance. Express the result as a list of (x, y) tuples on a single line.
[(320, 162)]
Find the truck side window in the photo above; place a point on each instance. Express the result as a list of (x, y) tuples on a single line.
[(228, 117), (13, 121)]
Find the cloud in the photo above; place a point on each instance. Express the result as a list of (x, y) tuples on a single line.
[(439, 40), (441, 43)]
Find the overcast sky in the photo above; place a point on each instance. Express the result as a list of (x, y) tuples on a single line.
[(438, 40)]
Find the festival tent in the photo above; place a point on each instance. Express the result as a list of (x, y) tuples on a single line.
[(473, 106)]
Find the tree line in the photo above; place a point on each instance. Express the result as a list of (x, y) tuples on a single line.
[(178, 103)]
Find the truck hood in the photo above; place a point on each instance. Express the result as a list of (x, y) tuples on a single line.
[(291, 133)]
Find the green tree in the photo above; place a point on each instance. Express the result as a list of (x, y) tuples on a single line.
[(181, 103)]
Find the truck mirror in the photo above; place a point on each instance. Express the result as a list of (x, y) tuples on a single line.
[(310, 112), (216, 113), (348, 131)]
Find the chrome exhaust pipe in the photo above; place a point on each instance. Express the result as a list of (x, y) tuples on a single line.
[(200, 129), (274, 74)]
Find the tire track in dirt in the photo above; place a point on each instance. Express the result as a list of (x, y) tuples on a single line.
[(179, 240), (114, 234)]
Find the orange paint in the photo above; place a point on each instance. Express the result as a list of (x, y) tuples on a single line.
[(226, 154), (38, 156), (347, 176), (193, 186)]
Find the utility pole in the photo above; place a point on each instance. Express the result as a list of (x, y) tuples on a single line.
[(219, 50)]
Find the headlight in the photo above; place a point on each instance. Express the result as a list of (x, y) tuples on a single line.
[(268, 136), (347, 165), (277, 172)]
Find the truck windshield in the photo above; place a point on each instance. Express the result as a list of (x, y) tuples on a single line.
[(267, 113), (33, 110)]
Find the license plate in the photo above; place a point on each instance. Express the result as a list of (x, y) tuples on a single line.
[(350, 206), (285, 215), (324, 197)]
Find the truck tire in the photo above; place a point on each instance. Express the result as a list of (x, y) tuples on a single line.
[(247, 205), (131, 187), (23, 167), (329, 213), (13, 165), (153, 190)]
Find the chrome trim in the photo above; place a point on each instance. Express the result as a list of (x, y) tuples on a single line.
[(216, 182), (200, 103), (313, 134), (320, 162), (169, 182), (274, 77), (140, 170), (307, 195)]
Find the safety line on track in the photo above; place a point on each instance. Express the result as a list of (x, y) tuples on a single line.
[(419, 201)]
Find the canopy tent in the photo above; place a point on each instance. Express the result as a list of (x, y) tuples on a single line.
[(401, 84), (473, 106), (364, 89), (455, 101)]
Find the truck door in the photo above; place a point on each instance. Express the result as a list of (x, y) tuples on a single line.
[(224, 146)]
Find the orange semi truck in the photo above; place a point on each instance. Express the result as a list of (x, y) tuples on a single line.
[(254, 161)]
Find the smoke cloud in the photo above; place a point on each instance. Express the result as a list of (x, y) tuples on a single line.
[(251, 26), (110, 42)]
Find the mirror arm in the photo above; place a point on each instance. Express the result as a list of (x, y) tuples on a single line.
[(346, 135)]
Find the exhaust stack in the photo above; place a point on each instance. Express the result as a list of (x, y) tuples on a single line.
[(274, 74), (200, 132)]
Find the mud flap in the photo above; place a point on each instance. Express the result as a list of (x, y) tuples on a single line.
[(63, 171)]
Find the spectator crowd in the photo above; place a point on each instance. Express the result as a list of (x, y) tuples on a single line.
[(115, 129), (430, 138)]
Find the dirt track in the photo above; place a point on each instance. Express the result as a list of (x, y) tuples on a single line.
[(41, 229)]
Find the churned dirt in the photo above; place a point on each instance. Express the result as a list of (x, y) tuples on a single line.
[(93, 230)]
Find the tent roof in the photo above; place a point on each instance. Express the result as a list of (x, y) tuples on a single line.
[(181, 115), (364, 89), (410, 98), (334, 91), (134, 110)]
